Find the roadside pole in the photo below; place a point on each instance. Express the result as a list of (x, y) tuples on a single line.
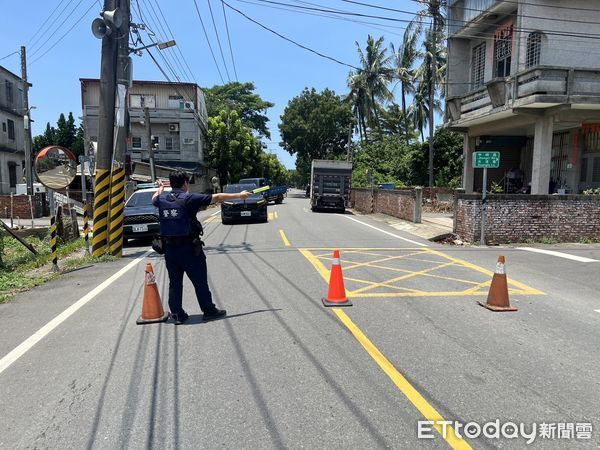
[(485, 160), (483, 192), (150, 144), (27, 123)]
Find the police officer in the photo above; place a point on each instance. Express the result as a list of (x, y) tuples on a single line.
[(180, 232)]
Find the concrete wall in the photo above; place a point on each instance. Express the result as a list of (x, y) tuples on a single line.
[(518, 218), (394, 203)]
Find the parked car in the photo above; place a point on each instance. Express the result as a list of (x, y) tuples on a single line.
[(254, 208), (141, 216)]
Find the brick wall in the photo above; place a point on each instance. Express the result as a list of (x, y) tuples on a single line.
[(517, 218), (20, 206), (394, 203)]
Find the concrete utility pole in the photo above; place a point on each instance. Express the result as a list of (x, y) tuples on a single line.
[(117, 179), (27, 124), (106, 119), (150, 144)]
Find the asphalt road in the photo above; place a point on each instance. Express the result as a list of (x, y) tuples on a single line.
[(283, 371)]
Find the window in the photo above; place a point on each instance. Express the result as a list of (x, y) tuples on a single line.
[(583, 174), (9, 91), (169, 143), (477, 66), (174, 100), (12, 174), (596, 170), (534, 48), (503, 51), (136, 142), (142, 101), (4, 126), (11, 129)]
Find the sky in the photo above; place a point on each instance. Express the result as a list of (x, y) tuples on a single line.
[(61, 48)]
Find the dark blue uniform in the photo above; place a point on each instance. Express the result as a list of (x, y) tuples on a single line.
[(183, 252)]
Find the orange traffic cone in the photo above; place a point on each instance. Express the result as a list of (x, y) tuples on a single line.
[(337, 293), (498, 295), (152, 309)]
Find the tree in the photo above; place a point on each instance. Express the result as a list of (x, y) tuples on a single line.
[(315, 126), (434, 39), (404, 59), (373, 78), (44, 140), (272, 169), (65, 134), (240, 97), (65, 131), (232, 149)]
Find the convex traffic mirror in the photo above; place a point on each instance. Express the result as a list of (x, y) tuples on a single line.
[(55, 167)]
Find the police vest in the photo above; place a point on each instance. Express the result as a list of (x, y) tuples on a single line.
[(175, 220)]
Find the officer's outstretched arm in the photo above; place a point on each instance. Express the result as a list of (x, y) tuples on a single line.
[(221, 196)]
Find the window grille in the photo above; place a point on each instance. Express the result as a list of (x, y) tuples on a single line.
[(136, 142), (477, 66), (503, 51), (534, 49), (560, 154)]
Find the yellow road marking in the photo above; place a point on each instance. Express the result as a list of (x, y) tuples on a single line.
[(476, 288), (275, 214), (270, 216), (428, 411), (211, 219), (285, 239)]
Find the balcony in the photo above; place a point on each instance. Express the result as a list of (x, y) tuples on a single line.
[(468, 15), (539, 87)]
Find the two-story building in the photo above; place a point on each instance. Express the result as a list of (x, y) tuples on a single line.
[(12, 133), (178, 124), (523, 78)]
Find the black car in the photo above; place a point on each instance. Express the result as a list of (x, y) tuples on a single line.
[(141, 216), (254, 208)]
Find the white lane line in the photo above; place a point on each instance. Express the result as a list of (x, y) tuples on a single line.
[(28, 343), (215, 213), (559, 254), (386, 232), (597, 310)]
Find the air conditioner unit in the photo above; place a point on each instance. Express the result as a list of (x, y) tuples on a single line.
[(173, 127), (186, 105), (188, 140)]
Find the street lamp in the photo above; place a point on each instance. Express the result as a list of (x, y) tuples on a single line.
[(161, 46)]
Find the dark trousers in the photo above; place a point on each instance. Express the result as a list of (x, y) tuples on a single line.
[(180, 259)]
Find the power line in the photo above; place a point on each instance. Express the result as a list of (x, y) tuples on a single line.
[(65, 34), (45, 21), (55, 28), (10, 54), (178, 47), (290, 40), (208, 42), (218, 39), (229, 40)]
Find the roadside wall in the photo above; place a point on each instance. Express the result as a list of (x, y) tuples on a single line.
[(517, 218), (394, 203), (20, 206)]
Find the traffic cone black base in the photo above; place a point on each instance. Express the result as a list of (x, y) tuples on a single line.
[(141, 321), (328, 303), (498, 308)]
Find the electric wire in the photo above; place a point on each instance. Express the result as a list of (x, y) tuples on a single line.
[(64, 35), (189, 71), (55, 28), (290, 40), (229, 41), (208, 42), (218, 39), (41, 27), (10, 54)]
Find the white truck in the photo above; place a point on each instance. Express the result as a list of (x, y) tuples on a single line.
[(330, 183)]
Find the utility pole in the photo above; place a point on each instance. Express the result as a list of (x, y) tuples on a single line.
[(106, 119), (349, 156), (117, 178), (150, 144), (27, 123)]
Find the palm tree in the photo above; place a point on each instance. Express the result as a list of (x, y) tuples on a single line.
[(358, 99), (433, 39), (404, 59), (374, 77)]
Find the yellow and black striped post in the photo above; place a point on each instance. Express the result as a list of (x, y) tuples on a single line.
[(53, 244), (101, 203), (117, 204), (86, 228)]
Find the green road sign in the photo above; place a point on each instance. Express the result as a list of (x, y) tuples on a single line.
[(486, 160)]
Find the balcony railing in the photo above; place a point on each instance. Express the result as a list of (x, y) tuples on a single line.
[(558, 84)]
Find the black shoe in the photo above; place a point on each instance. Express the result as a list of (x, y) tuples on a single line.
[(180, 318), (216, 314)]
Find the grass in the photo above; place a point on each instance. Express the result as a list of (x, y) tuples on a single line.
[(21, 270)]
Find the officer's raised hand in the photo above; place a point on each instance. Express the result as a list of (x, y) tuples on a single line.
[(222, 196)]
